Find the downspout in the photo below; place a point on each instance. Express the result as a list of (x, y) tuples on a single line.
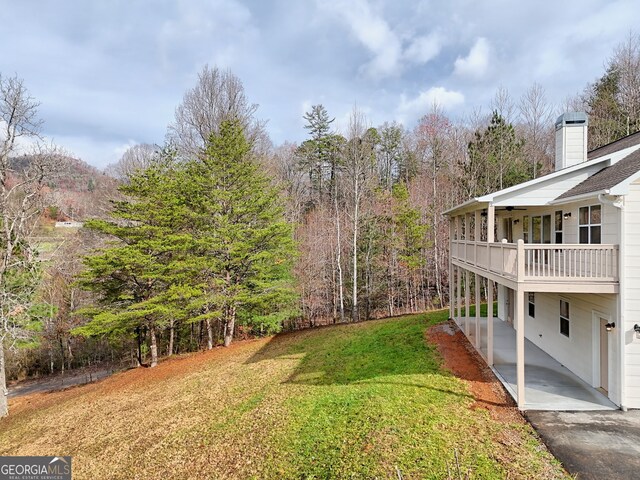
[(619, 204)]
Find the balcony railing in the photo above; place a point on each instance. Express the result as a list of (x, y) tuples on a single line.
[(540, 262)]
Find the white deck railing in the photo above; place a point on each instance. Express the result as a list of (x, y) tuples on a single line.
[(540, 262)]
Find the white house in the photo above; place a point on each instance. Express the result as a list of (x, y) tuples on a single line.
[(563, 251)]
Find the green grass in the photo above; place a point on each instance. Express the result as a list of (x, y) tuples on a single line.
[(483, 310), (351, 401)]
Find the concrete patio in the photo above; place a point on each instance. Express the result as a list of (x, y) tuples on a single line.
[(548, 384)]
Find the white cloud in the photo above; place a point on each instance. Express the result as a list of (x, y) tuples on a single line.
[(412, 108), (373, 32), (96, 152), (423, 49), (476, 63)]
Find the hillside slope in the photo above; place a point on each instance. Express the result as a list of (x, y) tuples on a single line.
[(352, 401)]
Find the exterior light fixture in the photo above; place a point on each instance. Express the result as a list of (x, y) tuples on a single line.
[(516, 221), (636, 328), (610, 326), (567, 215)]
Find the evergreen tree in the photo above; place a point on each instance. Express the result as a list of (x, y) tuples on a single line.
[(140, 280), (245, 246), (496, 159), (197, 240), (390, 161), (318, 155), (613, 101)]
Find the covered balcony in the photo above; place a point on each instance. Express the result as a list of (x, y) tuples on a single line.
[(525, 253), (576, 268)]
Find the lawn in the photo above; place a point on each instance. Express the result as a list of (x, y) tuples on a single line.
[(368, 400)]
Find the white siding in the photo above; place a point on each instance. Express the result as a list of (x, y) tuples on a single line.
[(571, 145), (631, 291), (540, 194), (577, 351), (610, 220)]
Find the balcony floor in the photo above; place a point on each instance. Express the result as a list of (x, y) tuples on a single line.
[(548, 384)]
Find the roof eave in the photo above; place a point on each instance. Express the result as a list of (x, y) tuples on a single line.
[(622, 188), (463, 206), (577, 198)]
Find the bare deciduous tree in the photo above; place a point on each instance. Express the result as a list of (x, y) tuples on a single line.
[(626, 62), (22, 186), (358, 167), (217, 96), (135, 158), (536, 125), (503, 104)]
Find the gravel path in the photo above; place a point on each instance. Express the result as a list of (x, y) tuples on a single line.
[(57, 382)]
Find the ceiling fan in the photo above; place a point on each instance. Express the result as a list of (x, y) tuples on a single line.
[(511, 209)]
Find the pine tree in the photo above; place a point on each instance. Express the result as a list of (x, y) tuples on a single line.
[(140, 280), (245, 245), (496, 158), (319, 155)]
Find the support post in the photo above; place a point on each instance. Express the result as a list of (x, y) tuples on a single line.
[(477, 329), (490, 233), (451, 280), (467, 302), (490, 323), (491, 211), (520, 260), (520, 346), (459, 293)]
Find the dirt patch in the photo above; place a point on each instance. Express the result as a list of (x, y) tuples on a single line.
[(462, 360)]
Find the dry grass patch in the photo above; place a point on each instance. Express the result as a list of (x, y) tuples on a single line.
[(352, 401)]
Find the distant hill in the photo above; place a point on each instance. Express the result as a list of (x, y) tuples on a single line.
[(78, 191)]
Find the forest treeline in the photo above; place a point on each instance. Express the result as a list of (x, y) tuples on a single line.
[(218, 233)]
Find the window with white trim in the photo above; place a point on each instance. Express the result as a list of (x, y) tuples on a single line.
[(558, 226), (590, 224), (532, 305), (564, 318)]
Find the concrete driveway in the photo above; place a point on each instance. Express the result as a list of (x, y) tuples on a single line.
[(592, 445)]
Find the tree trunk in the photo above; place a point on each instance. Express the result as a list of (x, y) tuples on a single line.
[(172, 332), (139, 340), (154, 346), (62, 351), (354, 313), (231, 324), (4, 404), (209, 334), (70, 356), (339, 255)]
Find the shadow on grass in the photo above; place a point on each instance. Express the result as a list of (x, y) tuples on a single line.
[(381, 352)]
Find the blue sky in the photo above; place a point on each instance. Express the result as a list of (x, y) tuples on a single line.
[(110, 73)]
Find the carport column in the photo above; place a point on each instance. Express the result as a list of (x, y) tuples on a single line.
[(520, 345), (490, 322), (477, 279)]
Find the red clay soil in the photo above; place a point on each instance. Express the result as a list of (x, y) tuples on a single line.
[(463, 361)]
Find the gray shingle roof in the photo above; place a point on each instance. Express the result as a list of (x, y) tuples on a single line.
[(625, 142), (608, 177)]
